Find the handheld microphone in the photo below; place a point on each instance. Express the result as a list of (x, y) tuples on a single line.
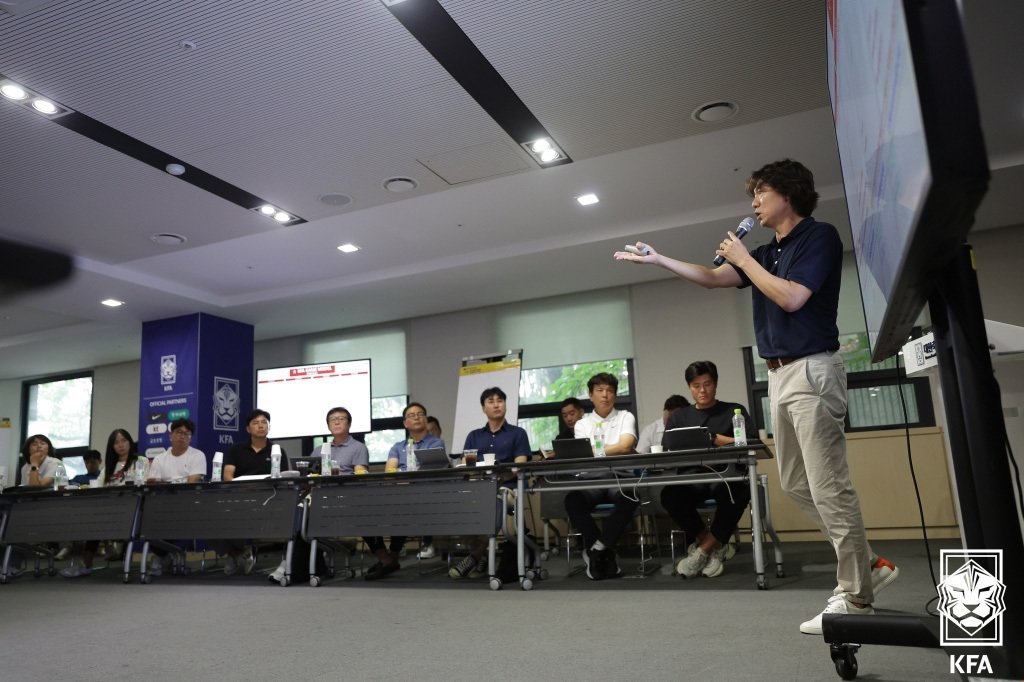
[(741, 232)]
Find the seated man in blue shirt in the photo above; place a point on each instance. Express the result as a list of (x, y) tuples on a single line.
[(415, 418), (509, 445), (93, 461)]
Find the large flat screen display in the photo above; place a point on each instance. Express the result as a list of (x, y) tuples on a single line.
[(910, 146), (298, 397)]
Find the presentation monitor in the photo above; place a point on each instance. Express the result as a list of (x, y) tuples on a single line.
[(298, 397), (911, 150)]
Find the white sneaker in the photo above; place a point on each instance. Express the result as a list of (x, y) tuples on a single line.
[(247, 561), (76, 571), (715, 565), (883, 574), (728, 551), (156, 566), (230, 565), (63, 553), (836, 604), (693, 563), (277, 575), (426, 553)]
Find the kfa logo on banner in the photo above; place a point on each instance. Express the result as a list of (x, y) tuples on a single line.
[(971, 604), (225, 404), (168, 371)]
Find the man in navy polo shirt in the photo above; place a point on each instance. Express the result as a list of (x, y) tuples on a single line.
[(795, 285), (509, 444)]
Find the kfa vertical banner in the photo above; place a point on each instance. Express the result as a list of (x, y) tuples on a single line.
[(169, 376), (199, 367)]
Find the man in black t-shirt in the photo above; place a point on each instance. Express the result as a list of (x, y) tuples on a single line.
[(707, 555)]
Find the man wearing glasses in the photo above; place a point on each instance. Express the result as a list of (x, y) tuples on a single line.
[(180, 463), (414, 416), (351, 455)]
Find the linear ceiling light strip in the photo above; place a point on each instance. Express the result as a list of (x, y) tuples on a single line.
[(435, 29)]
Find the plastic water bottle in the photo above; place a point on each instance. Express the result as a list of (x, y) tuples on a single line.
[(140, 470), (739, 427), (60, 477), (325, 459), (599, 439), (217, 474), (411, 463), (275, 461)]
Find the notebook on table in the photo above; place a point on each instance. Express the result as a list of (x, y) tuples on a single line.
[(687, 438), (572, 448), (430, 459)]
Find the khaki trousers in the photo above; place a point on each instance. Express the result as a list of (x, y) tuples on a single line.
[(808, 408)]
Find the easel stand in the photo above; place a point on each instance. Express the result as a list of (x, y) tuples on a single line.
[(988, 510)]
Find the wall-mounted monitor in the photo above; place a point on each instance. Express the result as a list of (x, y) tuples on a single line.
[(910, 146), (298, 397)]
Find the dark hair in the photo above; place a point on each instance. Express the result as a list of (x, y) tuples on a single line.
[(433, 420), (93, 454), (187, 423), (256, 414), (575, 402), (111, 457), (792, 180), (674, 402), (700, 367), (488, 392), (411, 405), (338, 409), (28, 441), (603, 379)]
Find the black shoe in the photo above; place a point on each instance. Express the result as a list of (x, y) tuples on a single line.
[(597, 562), (380, 570), (611, 566)]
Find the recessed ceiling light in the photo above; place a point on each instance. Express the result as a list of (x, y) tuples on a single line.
[(44, 106), (282, 217), (175, 169), (540, 145), (399, 185), (13, 91), (713, 112), (587, 199), (168, 239), (112, 303), (267, 209), (348, 248)]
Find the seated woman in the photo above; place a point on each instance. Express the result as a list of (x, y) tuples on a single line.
[(118, 463), (40, 461)]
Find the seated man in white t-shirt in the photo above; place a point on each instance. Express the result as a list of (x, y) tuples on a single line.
[(180, 461), (619, 429)]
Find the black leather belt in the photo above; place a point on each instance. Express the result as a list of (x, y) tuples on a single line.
[(775, 363)]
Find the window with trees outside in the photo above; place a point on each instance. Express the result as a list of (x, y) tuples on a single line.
[(60, 408), (542, 390)]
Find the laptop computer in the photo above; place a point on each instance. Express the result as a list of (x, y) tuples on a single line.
[(432, 458), (687, 438), (305, 465), (572, 448)]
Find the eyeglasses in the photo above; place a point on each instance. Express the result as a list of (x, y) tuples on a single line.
[(183, 433), (415, 415), (337, 420)]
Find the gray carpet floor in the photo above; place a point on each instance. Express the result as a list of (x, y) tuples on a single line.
[(421, 625)]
